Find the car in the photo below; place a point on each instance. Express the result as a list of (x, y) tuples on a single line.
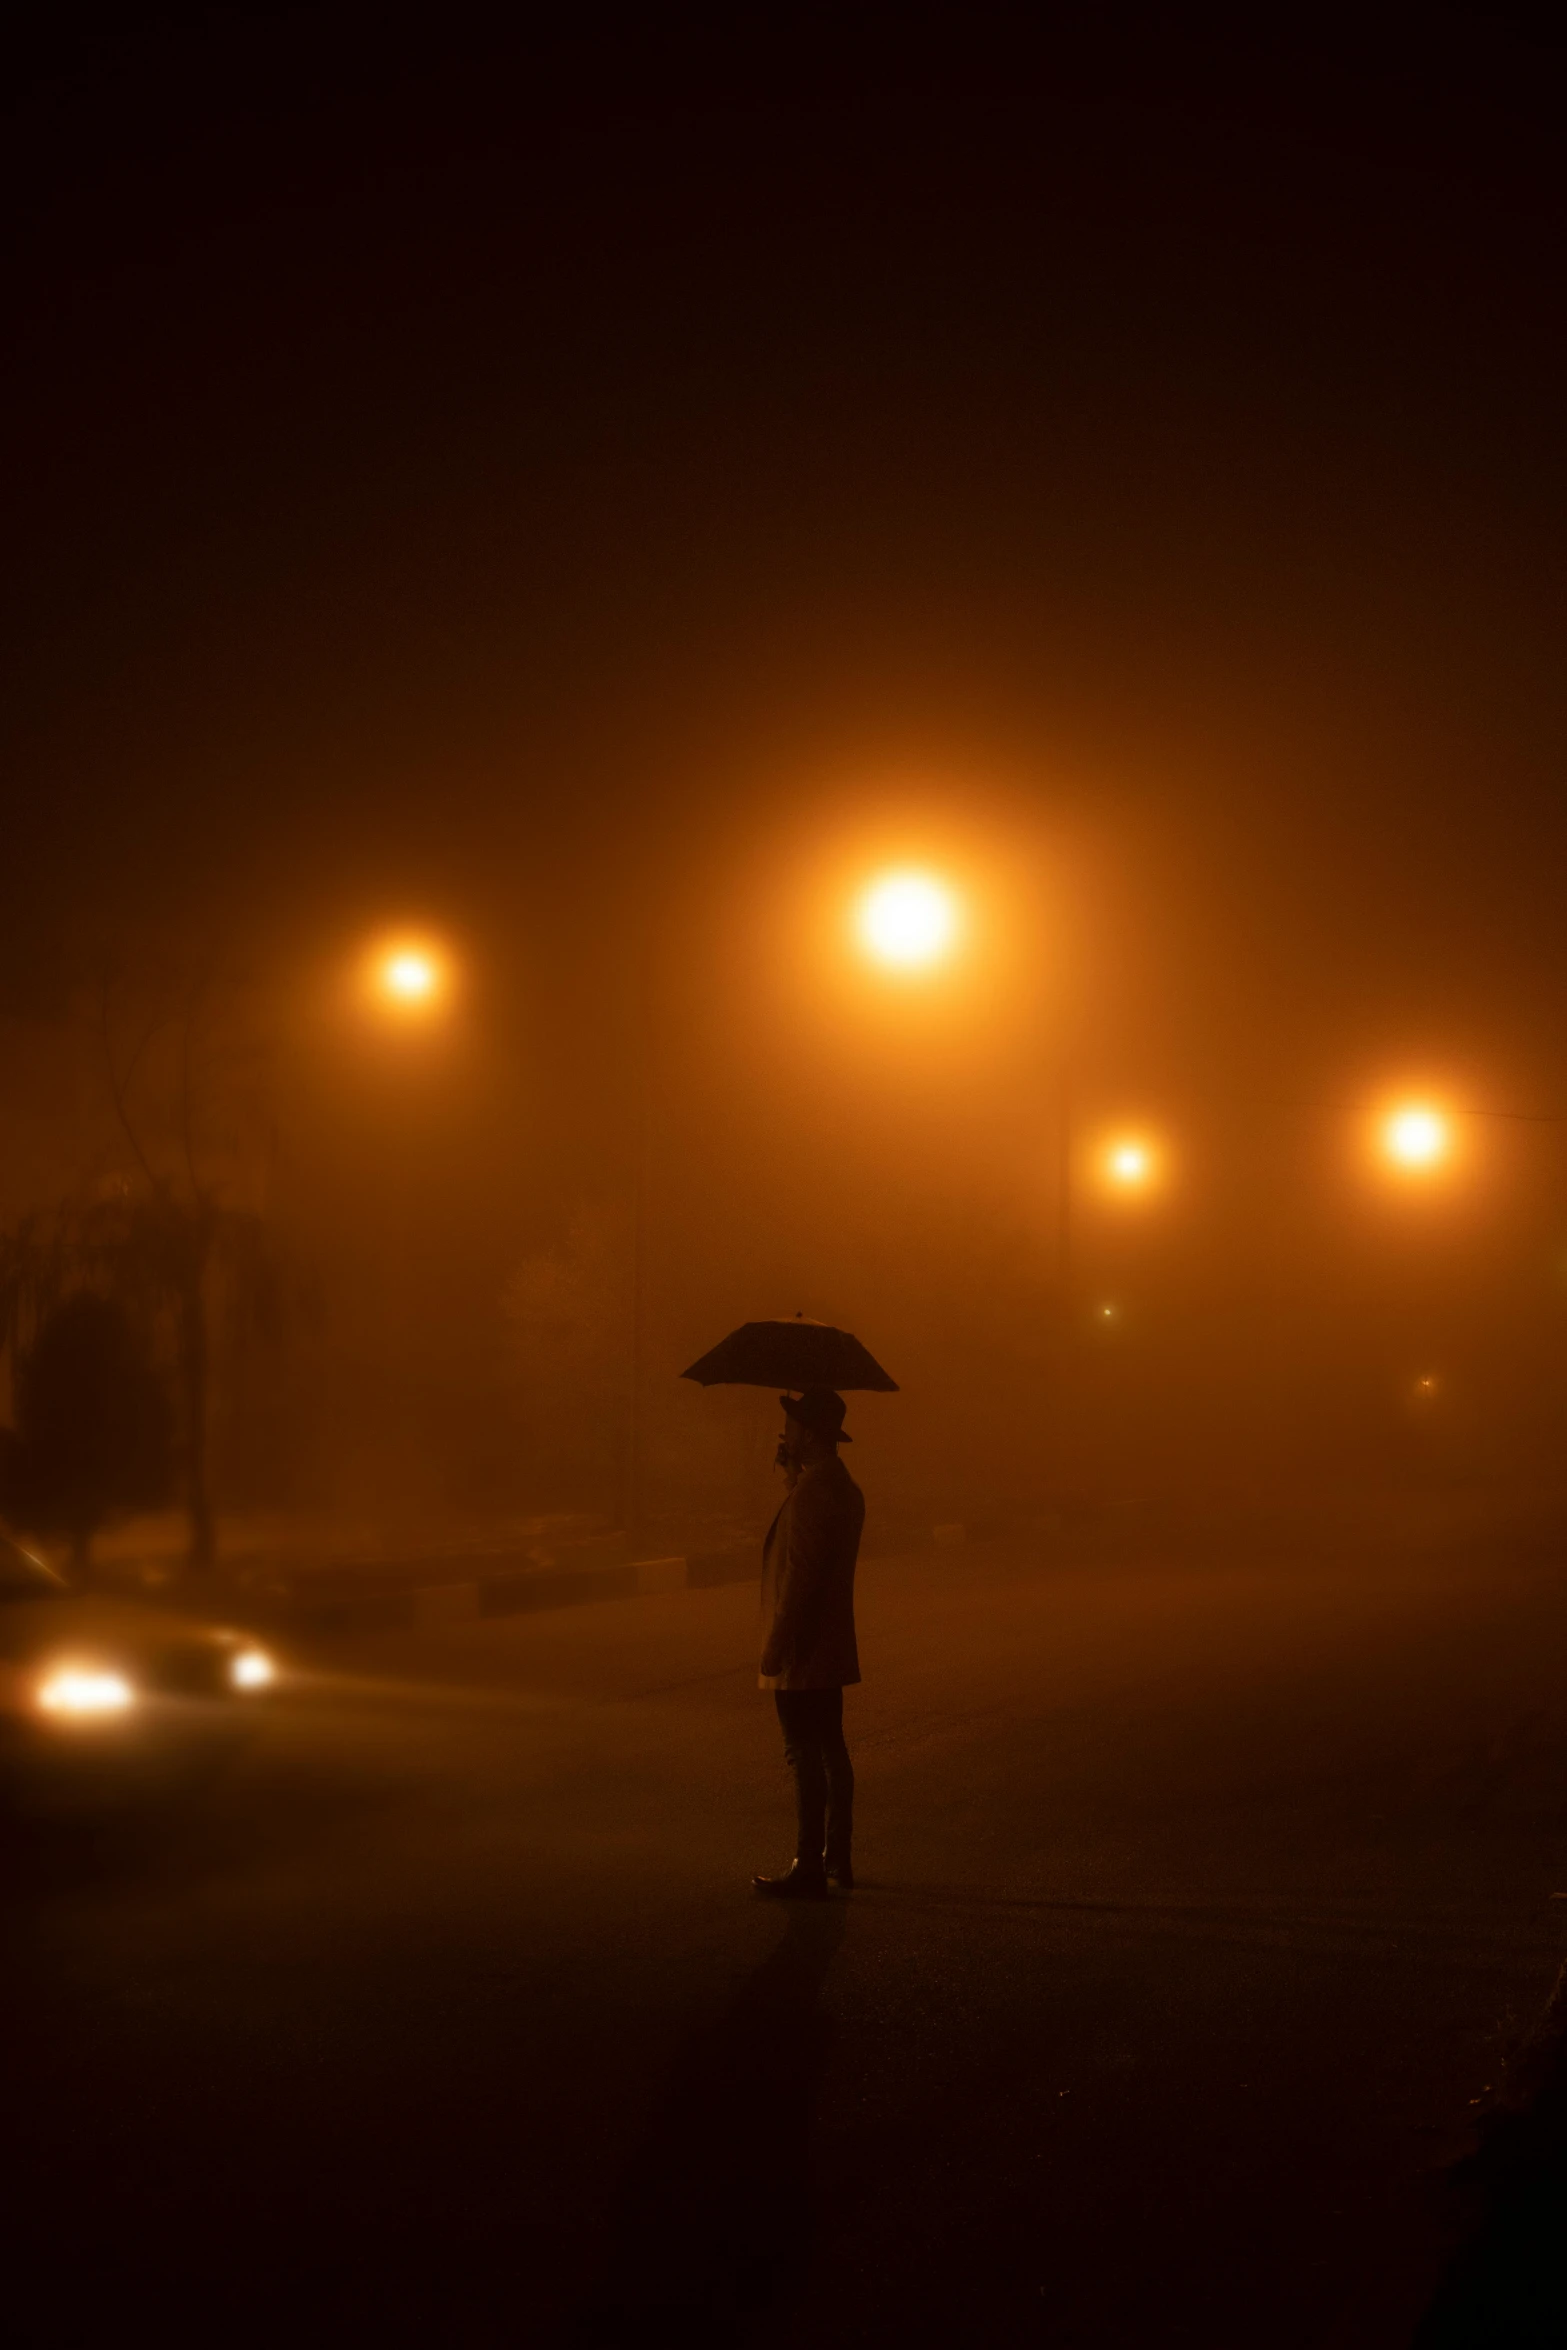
[(103, 1693)]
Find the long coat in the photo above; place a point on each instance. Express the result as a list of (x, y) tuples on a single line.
[(808, 1582)]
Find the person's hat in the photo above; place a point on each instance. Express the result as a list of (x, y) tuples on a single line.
[(820, 1410)]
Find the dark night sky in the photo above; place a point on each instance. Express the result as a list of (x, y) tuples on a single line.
[(391, 422), (511, 484)]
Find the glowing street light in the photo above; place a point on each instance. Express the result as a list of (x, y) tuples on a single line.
[(908, 920), (1129, 1165), (407, 975), (1416, 1137)]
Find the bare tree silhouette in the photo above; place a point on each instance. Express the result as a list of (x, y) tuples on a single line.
[(157, 1227)]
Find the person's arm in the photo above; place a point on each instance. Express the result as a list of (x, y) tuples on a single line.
[(803, 1577)]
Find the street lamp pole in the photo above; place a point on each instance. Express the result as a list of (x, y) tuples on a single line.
[(1064, 1191), (630, 1497), (630, 1512)]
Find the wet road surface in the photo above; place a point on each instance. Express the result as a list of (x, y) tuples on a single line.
[(1198, 1907)]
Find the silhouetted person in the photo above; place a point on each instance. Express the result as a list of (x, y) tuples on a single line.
[(808, 1649)]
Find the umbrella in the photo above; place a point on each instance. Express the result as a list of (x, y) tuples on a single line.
[(795, 1354)]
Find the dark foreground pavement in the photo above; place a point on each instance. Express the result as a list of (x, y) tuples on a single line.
[(1199, 1910)]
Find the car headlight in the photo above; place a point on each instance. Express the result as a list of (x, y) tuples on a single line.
[(78, 1689), (252, 1669)]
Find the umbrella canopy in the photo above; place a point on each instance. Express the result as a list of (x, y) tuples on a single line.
[(795, 1354)]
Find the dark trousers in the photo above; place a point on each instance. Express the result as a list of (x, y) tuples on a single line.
[(812, 1721)]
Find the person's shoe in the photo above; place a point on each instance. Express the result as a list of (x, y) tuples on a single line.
[(800, 1884), (839, 1873)]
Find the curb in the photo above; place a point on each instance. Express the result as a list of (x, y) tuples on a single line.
[(512, 1592)]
